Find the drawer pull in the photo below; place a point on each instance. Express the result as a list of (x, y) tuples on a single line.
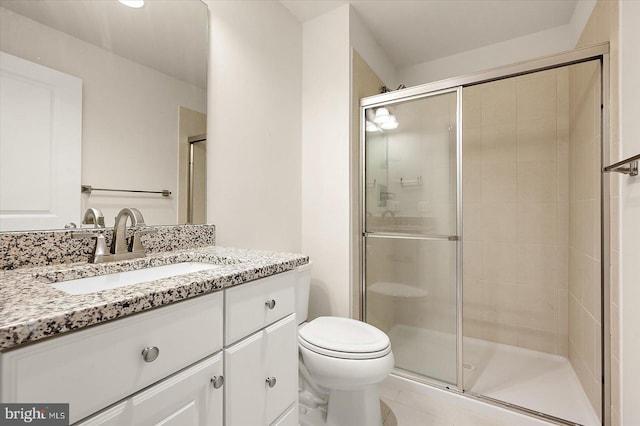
[(217, 382), (270, 303), (271, 381), (150, 353)]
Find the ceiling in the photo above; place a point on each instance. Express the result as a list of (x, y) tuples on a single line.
[(167, 35), (171, 35), (416, 31)]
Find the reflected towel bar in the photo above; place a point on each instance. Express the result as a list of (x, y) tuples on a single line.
[(87, 189), (631, 170), (406, 182)]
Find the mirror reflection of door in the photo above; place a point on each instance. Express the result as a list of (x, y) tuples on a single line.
[(196, 205), (192, 189)]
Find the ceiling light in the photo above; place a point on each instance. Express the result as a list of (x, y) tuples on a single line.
[(382, 115), (133, 3), (390, 124), (372, 127)]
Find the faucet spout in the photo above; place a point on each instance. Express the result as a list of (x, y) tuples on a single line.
[(93, 216), (119, 243)]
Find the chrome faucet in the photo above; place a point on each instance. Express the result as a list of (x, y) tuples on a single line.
[(119, 243), (93, 216), (119, 250)]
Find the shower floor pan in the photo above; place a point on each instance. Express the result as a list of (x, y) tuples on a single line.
[(531, 379)]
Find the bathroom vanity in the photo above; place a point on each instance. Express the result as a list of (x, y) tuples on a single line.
[(212, 347)]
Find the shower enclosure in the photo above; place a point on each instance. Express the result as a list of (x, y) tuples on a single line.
[(481, 233)]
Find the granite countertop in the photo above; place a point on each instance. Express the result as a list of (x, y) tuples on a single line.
[(31, 310)]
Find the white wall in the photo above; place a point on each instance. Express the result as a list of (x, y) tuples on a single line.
[(542, 43), (118, 94), (254, 125), (630, 211), (368, 48), (326, 160)]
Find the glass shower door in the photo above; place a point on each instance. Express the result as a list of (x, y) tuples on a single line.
[(411, 227)]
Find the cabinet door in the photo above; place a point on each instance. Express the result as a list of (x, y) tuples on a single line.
[(281, 362), (290, 418), (185, 399), (269, 353)]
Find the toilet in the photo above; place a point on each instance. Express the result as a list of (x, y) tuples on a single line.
[(341, 363)]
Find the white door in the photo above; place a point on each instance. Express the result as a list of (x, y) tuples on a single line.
[(40, 146)]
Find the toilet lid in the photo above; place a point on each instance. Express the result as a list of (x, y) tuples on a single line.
[(344, 338)]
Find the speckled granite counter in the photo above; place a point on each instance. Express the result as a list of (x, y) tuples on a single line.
[(30, 309)]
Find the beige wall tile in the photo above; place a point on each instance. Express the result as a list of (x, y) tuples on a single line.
[(499, 262), (537, 96), (538, 307), (536, 264), (563, 322), (562, 266), (499, 102), (588, 341), (499, 222), (538, 340), (537, 183), (471, 107), (472, 221), (537, 139), (499, 183), (575, 326), (499, 143), (536, 223)]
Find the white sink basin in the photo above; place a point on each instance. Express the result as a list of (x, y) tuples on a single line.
[(123, 279)]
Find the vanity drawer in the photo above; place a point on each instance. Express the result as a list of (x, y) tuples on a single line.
[(93, 368), (247, 306)]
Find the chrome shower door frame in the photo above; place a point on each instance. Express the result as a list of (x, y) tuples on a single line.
[(596, 52), (391, 98)]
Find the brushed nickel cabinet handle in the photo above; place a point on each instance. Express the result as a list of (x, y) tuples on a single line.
[(149, 354), (270, 303), (271, 381), (217, 382)]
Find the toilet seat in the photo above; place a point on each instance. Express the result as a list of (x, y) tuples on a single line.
[(344, 338)]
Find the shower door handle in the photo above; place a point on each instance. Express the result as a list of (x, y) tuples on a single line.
[(411, 236)]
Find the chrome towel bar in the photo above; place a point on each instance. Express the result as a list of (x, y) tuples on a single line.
[(87, 189), (631, 169)]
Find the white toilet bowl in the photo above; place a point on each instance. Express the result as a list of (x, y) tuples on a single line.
[(344, 358)]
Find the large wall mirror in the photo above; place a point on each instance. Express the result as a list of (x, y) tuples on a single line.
[(99, 94)]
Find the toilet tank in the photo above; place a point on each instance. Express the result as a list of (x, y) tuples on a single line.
[(303, 284)]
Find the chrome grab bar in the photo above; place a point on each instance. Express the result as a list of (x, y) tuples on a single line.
[(631, 170), (87, 189)]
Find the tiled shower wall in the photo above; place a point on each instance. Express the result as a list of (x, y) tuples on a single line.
[(602, 26), (516, 210), (584, 230)]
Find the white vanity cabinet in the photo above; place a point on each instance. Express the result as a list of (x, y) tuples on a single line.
[(98, 366), (171, 365), (261, 367)]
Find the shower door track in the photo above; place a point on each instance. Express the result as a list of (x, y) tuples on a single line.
[(599, 52)]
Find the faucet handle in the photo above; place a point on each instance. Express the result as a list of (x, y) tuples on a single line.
[(100, 250), (136, 244), (78, 235)]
